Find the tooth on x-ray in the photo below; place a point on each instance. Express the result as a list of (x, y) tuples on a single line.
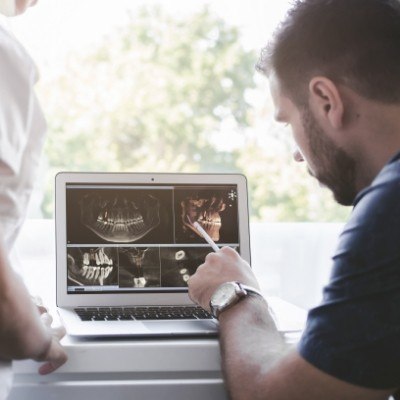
[(90, 273), (90, 266)]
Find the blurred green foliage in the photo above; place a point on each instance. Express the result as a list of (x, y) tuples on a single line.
[(167, 94)]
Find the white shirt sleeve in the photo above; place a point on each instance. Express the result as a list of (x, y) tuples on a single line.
[(22, 131)]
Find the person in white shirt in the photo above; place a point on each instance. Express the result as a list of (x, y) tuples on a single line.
[(25, 329), (22, 132)]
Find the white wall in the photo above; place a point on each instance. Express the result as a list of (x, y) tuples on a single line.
[(293, 260)]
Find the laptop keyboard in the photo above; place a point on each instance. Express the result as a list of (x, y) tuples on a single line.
[(141, 313)]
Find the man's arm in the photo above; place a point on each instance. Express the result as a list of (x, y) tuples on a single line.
[(22, 333), (256, 363)]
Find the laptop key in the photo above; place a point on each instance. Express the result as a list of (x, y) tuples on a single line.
[(125, 318)]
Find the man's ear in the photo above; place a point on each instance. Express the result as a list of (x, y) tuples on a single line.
[(326, 101)]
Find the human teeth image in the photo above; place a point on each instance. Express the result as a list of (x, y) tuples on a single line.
[(119, 217), (139, 267), (179, 264), (92, 266), (90, 273), (204, 210), (214, 210)]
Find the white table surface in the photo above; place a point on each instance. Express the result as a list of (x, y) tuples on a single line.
[(124, 368)]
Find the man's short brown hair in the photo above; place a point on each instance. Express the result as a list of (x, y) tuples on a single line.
[(351, 42)]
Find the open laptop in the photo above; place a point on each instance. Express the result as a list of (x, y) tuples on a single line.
[(126, 249)]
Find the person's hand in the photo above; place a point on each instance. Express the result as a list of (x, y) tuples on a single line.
[(219, 267), (37, 300), (22, 5), (55, 355)]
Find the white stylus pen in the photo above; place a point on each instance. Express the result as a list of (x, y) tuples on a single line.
[(206, 236)]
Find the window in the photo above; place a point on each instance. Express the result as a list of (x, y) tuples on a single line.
[(166, 86), (170, 86)]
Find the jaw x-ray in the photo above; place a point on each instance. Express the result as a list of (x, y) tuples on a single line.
[(119, 216), (91, 266)]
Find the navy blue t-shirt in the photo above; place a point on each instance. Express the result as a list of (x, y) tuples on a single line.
[(354, 335)]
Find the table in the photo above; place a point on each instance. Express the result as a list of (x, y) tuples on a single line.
[(126, 368)]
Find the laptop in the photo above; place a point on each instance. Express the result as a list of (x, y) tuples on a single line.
[(126, 249)]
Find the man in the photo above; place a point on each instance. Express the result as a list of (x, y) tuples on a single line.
[(25, 329), (334, 74)]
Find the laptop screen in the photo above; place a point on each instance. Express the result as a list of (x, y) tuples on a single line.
[(124, 238)]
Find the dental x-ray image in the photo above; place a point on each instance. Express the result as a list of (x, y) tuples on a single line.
[(92, 266), (214, 209), (139, 267), (119, 216), (178, 264)]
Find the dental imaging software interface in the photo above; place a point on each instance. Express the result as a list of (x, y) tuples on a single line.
[(130, 237)]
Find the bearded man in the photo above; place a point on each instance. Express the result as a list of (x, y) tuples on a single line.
[(334, 74)]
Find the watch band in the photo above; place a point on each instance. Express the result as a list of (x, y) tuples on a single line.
[(249, 289)]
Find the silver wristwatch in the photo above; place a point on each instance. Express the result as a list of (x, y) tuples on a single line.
[(227, 295)]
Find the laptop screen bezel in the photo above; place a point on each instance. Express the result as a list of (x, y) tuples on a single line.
[(63, 179)]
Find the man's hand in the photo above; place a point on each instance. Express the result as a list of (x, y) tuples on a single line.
[(219, 267)]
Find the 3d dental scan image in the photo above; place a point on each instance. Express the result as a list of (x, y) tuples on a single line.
[(119, 216), (215, 209), (92, 266), (139, 267)]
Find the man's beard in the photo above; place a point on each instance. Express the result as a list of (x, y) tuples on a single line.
[(335, 168)]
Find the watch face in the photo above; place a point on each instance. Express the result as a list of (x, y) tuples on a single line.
[(224, 295)]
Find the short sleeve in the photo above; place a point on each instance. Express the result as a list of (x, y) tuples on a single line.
[(354, 335)]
